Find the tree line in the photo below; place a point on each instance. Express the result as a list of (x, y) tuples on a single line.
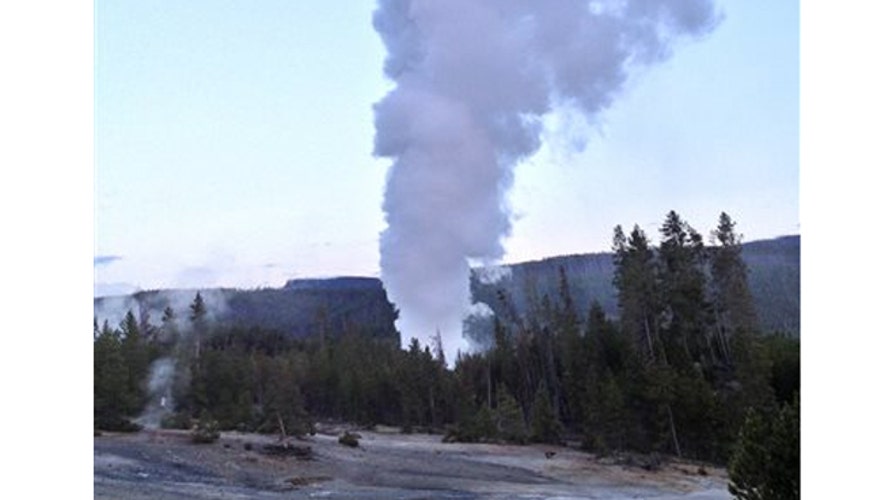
[(683, 370)]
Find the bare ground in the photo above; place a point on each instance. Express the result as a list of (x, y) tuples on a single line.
[(164, 464)]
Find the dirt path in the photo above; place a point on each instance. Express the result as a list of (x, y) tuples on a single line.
[(166, 465)]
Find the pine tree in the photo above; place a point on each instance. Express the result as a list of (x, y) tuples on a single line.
[(168, 333), (509, 418), (605, 422), (766, 460), (732, 302), (546, 427), (572, 367), (198, 313), (635, 278), (110, 382), (682, 286), (135, 353), (198, 395)]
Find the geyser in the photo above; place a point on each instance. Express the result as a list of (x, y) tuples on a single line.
[(474, 80)]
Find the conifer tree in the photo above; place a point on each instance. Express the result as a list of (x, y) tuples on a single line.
[(546, 428), (509, 418), (199, 397), (732, 302), (605, 421), (168, 332), (135, 354), (635, 278), (198, 313), (111, 398), (766, 460), (682, 286)]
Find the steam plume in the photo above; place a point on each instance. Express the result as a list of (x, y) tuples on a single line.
[(474, 80)]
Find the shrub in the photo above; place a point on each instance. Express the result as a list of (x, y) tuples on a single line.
[(180, 420), (115, 424), (206, 431), (766, 459), (349, 439), (546, 428)]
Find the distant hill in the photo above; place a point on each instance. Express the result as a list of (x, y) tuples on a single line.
[(774, 279), (301, 308), (305, 307)]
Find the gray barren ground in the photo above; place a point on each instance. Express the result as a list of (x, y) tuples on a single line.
[(155, 464)]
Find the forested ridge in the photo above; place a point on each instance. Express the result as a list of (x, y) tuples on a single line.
[(302, 305), (683, 369), (773, 278)]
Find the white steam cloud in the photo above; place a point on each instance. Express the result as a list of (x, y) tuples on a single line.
[(491, 275), (159, 391), (474, 81)]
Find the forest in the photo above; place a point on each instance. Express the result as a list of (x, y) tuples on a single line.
[(684, 370)]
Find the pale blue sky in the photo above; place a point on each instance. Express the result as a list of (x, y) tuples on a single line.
[(233, 143)]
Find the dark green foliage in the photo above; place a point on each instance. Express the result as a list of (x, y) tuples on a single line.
[(765, 464), (207, 430), (110, 390), (116, 424), (509, 419), (546, 428), (267, 382), (198, 309), (227, 379), (698, 417), (733, 301), (773, 279), (474, 424), (301, 309), (120, 361), (485, 427), (784, 354), (605, 425), (681, 283), (280, 396), (178, 420), (638, 291)]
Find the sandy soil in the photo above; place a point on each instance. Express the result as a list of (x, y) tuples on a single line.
[(166, 465)]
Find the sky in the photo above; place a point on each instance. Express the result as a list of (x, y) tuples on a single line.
[(233, 144)]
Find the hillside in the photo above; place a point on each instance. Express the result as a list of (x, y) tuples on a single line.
[(301, 308), (306, 307), (774, 278)]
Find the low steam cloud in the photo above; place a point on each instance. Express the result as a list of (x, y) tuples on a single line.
[(149, 307), (474, 80)]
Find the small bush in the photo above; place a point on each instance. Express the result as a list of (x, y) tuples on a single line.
[(349, 439), (766, 458), (179, 420), (595, 444), (206, 431), (115, 424)]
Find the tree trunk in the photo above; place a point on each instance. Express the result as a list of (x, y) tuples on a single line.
[(432, 408), (489, 386), (672, 427), (647, 335), (282, 429)]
